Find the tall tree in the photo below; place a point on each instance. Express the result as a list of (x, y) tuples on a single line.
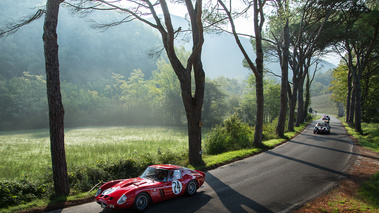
[(307, 39), (279, 31), (256, 67), (357, 48), (54, 97), (56, 110), (192, 97)]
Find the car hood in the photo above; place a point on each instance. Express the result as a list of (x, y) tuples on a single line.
[(133, 183)]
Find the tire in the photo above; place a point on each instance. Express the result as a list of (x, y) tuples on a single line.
[(141, 202), (191, 188)]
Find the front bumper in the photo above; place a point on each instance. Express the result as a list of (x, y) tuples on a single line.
[(111, 203)]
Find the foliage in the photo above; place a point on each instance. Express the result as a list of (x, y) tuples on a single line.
[(339, 83), (233, 134), (18, 192), (370, 89), (247, 109)]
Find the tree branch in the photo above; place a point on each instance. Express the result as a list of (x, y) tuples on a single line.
[(13, 27)]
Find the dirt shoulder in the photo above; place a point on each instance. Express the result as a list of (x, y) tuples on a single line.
[(344, 197)]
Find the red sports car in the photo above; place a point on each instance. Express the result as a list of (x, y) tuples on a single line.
[(157, 183)]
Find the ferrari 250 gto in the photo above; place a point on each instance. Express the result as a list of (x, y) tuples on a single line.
[(157, 183)]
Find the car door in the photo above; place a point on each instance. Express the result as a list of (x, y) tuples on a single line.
[(174, 185)]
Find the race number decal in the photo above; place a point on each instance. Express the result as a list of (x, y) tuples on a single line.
[(176, 187)]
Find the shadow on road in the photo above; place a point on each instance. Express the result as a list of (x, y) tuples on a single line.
[(335, 150), (179, 205), (231, 199), (307, 163)]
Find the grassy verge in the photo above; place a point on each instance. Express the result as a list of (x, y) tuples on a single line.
[(370, 136), (368, 194)]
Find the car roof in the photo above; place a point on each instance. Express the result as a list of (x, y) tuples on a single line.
[(166, 166)]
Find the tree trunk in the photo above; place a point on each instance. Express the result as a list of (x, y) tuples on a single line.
[(307, 96), (292, 106), (260, 107), (300, 102), (258, 24), (348, 97), (352, 107), (193, 107), (284, 81), (358, 98), (56, 110)]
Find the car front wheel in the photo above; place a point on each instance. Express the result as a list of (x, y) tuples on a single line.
[(191, 188), (141, 202)]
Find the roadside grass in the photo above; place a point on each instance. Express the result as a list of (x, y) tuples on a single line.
[(367, 198), (370, 136), (26, 154)]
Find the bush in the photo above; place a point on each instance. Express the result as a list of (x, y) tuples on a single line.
[(18, 192), (84, 178), (233, 134), (171, 157)]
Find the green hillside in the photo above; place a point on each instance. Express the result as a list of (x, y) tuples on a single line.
[(323, 104)]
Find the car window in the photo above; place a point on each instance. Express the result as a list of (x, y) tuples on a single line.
[(155, 174), (177, 174)]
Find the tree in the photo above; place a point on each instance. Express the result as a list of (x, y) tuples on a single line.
[(256, 67), (192, 97), (307, 39), (56, 110), (279, 30), (360, 40)]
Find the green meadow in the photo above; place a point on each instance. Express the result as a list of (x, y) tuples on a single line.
[(27, 153)]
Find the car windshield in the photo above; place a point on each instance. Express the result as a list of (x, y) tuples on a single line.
[(155, 174)]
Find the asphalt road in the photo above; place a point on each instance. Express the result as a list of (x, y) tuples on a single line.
[(277, 180)]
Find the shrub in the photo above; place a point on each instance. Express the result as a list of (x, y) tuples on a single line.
[(83, 178), (170, 157), (18, 192), (233, 134)]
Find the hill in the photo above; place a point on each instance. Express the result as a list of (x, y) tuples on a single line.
[(324, 105)]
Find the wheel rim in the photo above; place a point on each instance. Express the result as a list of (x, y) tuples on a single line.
[(191, 187), (142, 202)]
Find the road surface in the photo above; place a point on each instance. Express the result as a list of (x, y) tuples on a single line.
[(277, 180)]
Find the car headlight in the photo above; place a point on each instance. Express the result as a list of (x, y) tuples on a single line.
[(108, 191), (98, 192), (122, 199)]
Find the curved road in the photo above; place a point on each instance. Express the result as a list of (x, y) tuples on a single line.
[(277, 180)]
